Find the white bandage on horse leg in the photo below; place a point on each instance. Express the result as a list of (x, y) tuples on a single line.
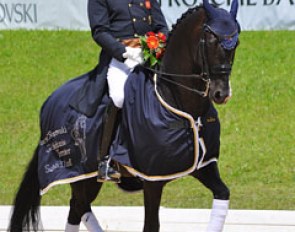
[(218, 215), (72, 228), (91, 222)]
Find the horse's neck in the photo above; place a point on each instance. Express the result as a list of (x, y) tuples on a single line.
[(184, 100), (180, 58)]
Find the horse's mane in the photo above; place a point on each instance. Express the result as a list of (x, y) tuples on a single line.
[(181, 19)]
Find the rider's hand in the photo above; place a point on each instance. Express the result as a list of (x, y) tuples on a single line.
[(134, 54), (130, 63)]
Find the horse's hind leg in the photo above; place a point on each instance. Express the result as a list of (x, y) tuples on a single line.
[(209, 176), (152, 200), (83, 193)]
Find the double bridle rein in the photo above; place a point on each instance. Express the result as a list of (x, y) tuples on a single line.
[(221, 69), (202, 77)]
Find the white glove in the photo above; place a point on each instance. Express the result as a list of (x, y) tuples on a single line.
[(130, 63), (134, 54)]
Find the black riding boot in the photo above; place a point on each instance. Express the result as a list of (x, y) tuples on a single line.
[(105, 171)]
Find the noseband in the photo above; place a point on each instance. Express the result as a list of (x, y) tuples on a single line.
[(220, 69)]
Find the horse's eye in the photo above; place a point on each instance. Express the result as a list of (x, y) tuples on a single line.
[(212, 39)]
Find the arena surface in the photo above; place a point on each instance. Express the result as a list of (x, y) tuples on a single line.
[(130, 219)]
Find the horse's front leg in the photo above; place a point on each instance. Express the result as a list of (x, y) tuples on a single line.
[(83, 193), (209, 176), (152, 201)]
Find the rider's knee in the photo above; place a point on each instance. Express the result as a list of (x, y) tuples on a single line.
[(118, 99)]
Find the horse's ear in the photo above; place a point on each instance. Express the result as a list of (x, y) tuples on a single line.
[(209, 9), (234, 9)]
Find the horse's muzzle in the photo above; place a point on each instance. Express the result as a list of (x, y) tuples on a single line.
[(220, 96), (220, 91)]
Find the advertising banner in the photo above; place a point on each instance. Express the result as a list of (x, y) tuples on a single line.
[(43, 14), (72, 14)]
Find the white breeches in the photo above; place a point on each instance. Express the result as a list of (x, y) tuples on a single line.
[(117, 75)]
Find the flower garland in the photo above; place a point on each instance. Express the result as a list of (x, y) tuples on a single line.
[(153, 47)]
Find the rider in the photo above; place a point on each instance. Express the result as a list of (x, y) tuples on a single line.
[(116, 26)]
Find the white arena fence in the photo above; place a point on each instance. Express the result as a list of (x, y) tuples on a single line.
[(72, 14)]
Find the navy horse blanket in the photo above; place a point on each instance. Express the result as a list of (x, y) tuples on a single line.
[(154, 141)]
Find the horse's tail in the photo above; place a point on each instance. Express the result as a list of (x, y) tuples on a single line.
[(25, 212)]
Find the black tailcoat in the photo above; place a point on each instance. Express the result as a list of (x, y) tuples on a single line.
[(112, 21)]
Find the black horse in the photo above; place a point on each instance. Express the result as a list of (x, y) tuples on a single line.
[(195, 71)]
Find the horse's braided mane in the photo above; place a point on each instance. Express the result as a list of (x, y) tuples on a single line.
[(183, 16)]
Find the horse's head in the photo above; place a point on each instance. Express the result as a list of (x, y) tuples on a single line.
[(220, 39), (198, 58)]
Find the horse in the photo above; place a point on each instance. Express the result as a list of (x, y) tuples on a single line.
[(194, 74)]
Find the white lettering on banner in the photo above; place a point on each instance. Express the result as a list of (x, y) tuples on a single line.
[(18, 13)]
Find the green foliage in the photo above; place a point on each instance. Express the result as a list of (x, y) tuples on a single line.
[(257, 144)]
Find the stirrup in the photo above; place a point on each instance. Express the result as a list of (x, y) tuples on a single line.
[(107, 172), (102, 179)]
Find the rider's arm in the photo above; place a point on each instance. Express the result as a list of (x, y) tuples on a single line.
[(99, 23), (158, 20)]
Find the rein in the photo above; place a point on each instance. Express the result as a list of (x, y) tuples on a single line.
[(190, 76), (204, 76)]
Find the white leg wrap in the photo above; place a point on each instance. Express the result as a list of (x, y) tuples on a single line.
[(72, 228), (218, 215), (91, 222)]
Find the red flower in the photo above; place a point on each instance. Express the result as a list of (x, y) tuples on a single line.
[(153, 47), (162, 36), (152, 42), (150, 33), (160, 53)]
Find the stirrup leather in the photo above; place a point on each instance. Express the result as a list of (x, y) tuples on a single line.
[(107, 173)]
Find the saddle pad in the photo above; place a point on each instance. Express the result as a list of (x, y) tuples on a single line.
[(158, 142)]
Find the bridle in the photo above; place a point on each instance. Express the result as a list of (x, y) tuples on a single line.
[(203, 77), (206, 71)]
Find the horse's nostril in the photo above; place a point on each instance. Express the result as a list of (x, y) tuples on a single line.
[(217, 95)]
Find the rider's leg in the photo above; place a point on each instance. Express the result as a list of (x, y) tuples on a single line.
[(117, 75), (105, 171)]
